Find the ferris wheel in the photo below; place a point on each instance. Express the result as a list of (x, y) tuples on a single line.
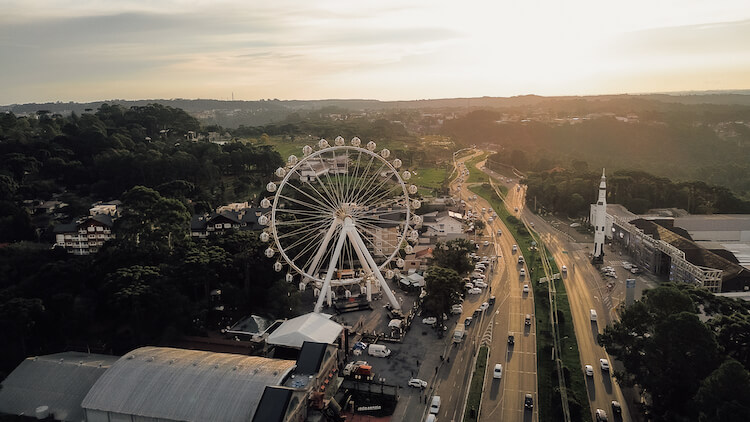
[(340, 217)]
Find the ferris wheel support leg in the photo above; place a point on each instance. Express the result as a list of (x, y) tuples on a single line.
[(313, 269), (361, 255), (391, 297), (325, 291)]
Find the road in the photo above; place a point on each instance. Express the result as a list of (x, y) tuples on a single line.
[(502, 399), (586, 290)]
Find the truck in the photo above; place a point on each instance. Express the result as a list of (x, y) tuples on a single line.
[(357, 368), (459, 333)]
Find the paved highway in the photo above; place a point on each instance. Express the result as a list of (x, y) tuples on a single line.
[(586, 290)]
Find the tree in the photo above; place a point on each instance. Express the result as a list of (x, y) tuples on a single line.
[(150, 220), (443, 287), (453, 254), (725, 394)]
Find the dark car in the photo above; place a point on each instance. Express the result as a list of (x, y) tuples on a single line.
[(511, 339), (616, 408), (528, 402)]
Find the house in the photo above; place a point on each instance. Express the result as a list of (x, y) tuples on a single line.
[(237, 216), (84, 236), (442, 225)]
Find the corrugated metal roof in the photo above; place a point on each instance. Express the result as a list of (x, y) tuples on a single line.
[(59, 381), (186, 385)]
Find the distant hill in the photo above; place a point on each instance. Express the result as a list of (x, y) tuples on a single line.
[(267, 111)]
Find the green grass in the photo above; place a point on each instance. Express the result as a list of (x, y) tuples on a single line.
[(474, 400), (476, 175), (549, 400), (430, 178)]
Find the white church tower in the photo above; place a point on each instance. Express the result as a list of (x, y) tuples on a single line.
[(600, 219)]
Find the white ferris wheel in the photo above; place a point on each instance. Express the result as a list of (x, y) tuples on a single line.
[(340, 216)]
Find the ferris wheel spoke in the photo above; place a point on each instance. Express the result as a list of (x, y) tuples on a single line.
[(338, 180), (313, 262), (297, 221), (381, 196), (323, 205), (303, 229), (331, 199), (364, 180), (310, 245), (305, 212), (371, 183)]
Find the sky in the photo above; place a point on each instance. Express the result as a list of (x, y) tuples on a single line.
[(89, 50)]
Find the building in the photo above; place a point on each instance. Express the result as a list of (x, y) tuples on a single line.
[(657, 245), (52, 385), (237, 216), (84, 236), (442, 226), (312, 327)]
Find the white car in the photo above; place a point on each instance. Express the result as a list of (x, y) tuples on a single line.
[(418, 383), (429, 320), (475, 291), (525, 288), (604, 363), (589, 370), (486, 243), (484, 306), (498, 372), (514, 248), (528, 319), (522, 273), (469, 285), (481, 284), (564, 269)]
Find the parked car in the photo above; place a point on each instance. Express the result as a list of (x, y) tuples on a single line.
[(469, 285), (429, 320), (481, 284), (475, 291), (467, 321), (484, 306), (418, 383)]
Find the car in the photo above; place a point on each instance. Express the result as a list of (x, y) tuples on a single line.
[(469, 285), (528, 401), (564, 269), (484, 306), (477, 311), (429, 320), (515, 209), (522, 272), (601, 415), (492, 300), (514, 248), (531, 224), (481, 284), (435, 405), (511, 338), (480, 266), (499, 232), (486, 243), (418, 383), (498, 372), (490, 219), (467, 321), (520, 259), (475, 291), (616, 408), (589, 370), (604, 363), (528, 319), (525, 288)]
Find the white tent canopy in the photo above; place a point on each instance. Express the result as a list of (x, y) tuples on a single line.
[(314, 327)]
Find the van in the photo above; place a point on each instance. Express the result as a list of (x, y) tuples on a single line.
[(378, 350), (592, 313), (435, 405)]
